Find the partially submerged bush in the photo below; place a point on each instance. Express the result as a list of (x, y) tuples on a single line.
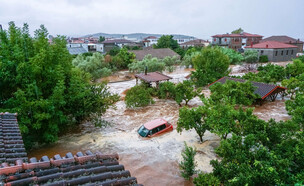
[(263, 59), (187, 166), (251, 56), (139, 96)]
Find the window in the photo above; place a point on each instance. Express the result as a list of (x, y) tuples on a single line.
[(262, 51), (286, 52), (282, 52), (162, 127), (291, 52), (276, 53)]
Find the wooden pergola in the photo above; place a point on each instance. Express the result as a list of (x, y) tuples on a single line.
[(152, 77)]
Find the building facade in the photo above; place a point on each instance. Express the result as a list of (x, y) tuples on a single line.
[(236, 41), (275, 51)]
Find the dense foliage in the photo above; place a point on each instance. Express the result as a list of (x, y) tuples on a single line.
[(251, 56), (234, 92), (263, 59), (154, 64), (95, 65), (139, 96), (189, 56), (122, 59), (167, 90), (258, 152), (234, 56), (167, 41), (187, 166), (210, 65), (39, 82)]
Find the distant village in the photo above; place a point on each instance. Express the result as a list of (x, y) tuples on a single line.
[(276, 48)]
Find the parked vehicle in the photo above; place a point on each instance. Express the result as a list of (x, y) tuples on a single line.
[(154, 127)]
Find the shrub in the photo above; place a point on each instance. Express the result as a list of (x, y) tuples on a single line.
[(187, 166), (153, 64), (206, 179), (251, 56), (185, 91), (263, 59), (139, 96), (234, 57), (166, 90), (95, 65)]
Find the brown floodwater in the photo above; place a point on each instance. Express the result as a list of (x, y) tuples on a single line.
[(153, 161)]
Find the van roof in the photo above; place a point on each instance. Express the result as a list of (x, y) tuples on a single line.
[(154, 123)]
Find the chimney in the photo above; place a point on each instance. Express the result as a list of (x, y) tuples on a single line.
[(146, 70), (266, 45)]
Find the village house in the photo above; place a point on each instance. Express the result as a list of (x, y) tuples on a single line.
[(112, 43), (286, 40), (236, 41), (150, 41), (275, 51), (195, 43), (82, 45), (159, 53)]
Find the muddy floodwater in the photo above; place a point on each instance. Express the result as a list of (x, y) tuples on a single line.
[(153, 161)]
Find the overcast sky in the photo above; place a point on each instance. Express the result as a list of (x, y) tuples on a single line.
[(199, 18)]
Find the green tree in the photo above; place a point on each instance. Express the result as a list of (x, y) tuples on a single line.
[(210, 65), (187, 166), (95, 65), (185, 91), (167, 90), (114, 51), (43, 87), (123, 59), (236, 92), (295, 108), (237, 31), (234, 57), (251, 56), (263, 58), (193, 119), (101, 39), (167, 41), (139, 96), (294, 69)]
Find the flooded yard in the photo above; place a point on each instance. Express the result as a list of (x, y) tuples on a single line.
[(153, 161)]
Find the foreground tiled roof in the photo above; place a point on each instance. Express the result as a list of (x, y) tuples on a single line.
[(153, 77), (11, 143), (244, 35), (262, 89), (283, 39), (80, 169), (271, 45), (159, 53)]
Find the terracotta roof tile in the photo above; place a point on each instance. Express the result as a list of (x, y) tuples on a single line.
[(271, 45), (243, 35)]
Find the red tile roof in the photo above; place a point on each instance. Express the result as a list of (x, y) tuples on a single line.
[(153, 77), (195, 42), (243, 35), (79, 169), (282, 39), (117, 41), (11, 143), (263, 89), (150, 37), (272, 45)]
